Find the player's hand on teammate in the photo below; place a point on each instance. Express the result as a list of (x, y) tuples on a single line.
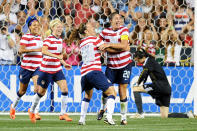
[(60, 57), (67, 66), (103, 46)]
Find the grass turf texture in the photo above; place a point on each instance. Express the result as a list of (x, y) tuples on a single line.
[(52, 123)]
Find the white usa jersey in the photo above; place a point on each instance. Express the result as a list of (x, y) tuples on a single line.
[(51, 64), (90, 54), (31, 60), (116, 60)]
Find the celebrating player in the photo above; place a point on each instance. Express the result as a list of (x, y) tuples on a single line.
[(51, 70), (119, 61), (91, 73), (30, 48)]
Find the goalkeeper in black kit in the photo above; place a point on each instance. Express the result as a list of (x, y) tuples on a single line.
[(159, 89)]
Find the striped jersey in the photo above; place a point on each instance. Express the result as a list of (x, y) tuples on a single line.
[(51, 64), (180, 20), (116, 60), (31, 60), (90, 54)]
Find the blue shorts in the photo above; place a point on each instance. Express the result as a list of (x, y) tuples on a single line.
[(95, 79), (25, 75), (44, 79), (119, 76)]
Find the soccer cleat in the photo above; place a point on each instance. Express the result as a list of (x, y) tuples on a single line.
[(190, 114), (109, 121), (37, 116), (137, 116), (32, 116), (12, 112), (123, 122), (81, 123), (100, 114), (65, 117)]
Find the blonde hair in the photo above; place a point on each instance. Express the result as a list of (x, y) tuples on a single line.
[(54, 22)]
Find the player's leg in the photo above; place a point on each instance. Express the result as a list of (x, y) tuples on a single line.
[(85, 105), (43, 81), (110, 74), (138, 102), (111, 93), (64, 100), (35, 78), (164, 111), (123, 102), (189, 114), (123, 77), (24, 76)]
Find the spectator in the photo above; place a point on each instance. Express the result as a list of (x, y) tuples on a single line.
[(148, 44), (183, 17), (133, 14), (7, 44), (21, 24), (147, 6), (173, 49), (69, 8), (72, 49), (68, 25), (8, 16), (157, 12), (15, 5), (83, 11), (136, 35), (96, 7), (106, 10), (44, 21)]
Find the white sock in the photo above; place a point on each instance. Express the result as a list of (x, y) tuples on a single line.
[(123, 111), (37, 107), (15, 102), (64, 99), (36, 100), (84, 109), (110, 107), (103, 103)]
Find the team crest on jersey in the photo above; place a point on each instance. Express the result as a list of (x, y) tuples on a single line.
[(42, 82), (20, 76)]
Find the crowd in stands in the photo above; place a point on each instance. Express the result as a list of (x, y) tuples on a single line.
[(164, 28)]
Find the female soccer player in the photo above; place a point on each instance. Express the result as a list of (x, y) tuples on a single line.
[(160, 88), (51, 70), (91, 73), (119, 62), (30, 48)]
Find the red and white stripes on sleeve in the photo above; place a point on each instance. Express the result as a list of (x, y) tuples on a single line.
[(31, 60), (51, 64), (90, 54), (116, 60)]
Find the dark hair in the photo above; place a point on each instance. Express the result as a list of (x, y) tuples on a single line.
[(31, 21), (112, 15), (140, 53), (3, 23), (82, 28)]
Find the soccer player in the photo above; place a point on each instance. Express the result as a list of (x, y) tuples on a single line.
[(51, 70), (30, 48), (92, 75), (118, 63), (159, 89)]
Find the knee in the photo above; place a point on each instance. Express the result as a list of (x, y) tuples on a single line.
[(41, 91), (110, 91)]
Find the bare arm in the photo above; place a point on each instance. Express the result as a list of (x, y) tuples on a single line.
[(46, 52)]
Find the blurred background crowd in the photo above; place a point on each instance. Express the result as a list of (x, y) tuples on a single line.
[(164, 28)]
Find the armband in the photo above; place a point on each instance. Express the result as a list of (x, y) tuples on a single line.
[(124, 37)]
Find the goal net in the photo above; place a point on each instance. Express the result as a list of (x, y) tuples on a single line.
[(180, 71)]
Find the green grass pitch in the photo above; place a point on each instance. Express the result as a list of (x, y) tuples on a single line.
[(52, 123)]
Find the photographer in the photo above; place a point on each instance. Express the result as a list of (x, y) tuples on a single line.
[(7, 44)]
